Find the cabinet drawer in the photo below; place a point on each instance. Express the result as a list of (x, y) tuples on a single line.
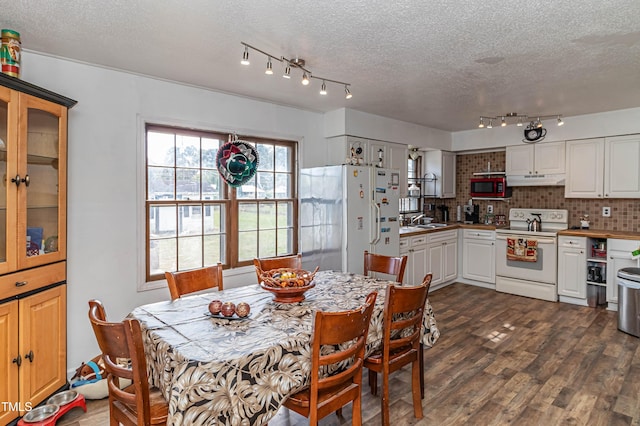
[(32, 279), (418, 241), (479, 234), (404, 243), (572, 242), (441, 236)]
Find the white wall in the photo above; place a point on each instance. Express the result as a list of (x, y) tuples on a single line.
[(104, 226), (621, 122), (351, 122)]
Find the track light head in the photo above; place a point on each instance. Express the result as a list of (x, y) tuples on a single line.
[(323, 88), (245, 56), (305, 79), (269, 70), (347, 92), (287, 71), (490, 125), (503, 123), (560, 122), (481, 125)]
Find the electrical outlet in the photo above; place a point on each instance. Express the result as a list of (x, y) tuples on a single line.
[(606, 212), (489, 209)]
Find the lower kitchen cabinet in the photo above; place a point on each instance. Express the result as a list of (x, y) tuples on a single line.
[(479, 255), (619, 255), (442, 253), (572, 267), (32, 350), (415, 248)]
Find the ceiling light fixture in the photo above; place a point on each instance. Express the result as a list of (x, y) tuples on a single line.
[(245, 56), (519, 119), (293, 63)]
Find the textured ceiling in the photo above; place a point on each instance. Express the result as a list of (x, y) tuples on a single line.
[(436, 63)]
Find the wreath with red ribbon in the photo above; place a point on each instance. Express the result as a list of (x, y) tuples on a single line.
[(237, 162)]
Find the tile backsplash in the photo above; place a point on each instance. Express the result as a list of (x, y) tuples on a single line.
[(625, 213)]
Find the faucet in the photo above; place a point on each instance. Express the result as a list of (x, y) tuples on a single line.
[(414, 218)]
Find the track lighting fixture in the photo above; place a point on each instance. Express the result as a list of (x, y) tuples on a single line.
[(269, 69), (245, 56), (519, 120), (293, 63)]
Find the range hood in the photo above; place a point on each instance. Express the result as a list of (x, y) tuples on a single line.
[(536, 180)]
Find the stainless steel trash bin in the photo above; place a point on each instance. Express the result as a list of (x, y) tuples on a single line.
[(629, 301)]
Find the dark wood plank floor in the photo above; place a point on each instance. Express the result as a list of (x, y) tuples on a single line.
[(502, 359)]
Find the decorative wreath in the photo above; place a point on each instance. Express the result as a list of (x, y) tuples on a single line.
[(237, 162)]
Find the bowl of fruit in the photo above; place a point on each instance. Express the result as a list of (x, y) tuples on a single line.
[(287, 284)]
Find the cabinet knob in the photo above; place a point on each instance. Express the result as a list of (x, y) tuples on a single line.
[(26, 180), (29, 356), (17, 360), (16, 180), (21, 283)]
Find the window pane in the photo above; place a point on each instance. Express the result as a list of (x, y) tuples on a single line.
[(160, 149), (211, 185), (285, 214), (266, 184), (187, 151), (189, 253), (248, 190), (285, 242), (209, 152), (267, 215), (283, 185), (247, 245), (267, 243), (213, 219), (213, 249), (162, 256), (247, 216), (283, 159), (265, 152), (160, 184), (190, 220), (162, 222), (187, 184)]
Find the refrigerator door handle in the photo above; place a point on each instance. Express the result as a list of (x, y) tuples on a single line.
[(377, 224)]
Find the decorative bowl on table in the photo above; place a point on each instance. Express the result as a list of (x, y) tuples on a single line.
[(287, 284)]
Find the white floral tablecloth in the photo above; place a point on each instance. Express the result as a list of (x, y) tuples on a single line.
[(238, 372)]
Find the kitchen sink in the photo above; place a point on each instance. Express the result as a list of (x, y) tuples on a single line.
[(433, 225)]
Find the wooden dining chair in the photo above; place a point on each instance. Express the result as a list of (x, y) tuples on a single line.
[(185, 282), (402, 330), (385, 264), (266, 264), (138, 403), (329, 394)]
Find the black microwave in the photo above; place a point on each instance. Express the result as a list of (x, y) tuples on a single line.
[(491, 187)]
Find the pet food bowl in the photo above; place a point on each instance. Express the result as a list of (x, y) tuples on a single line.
[(63, 398), (41, 413)]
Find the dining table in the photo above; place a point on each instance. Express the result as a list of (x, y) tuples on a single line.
[(239, 371)]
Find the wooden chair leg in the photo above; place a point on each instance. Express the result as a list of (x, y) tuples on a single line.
[(356, 418), (421, 358), (384, 400), (373, 382), (416, 374), (339, 412)]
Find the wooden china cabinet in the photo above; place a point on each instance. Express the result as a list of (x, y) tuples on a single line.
[(33, 229)]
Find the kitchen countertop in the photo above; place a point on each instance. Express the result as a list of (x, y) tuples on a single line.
[(411, 230), (601, 233)]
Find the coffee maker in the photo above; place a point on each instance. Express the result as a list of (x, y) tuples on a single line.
[(471, 213), (445, 213)]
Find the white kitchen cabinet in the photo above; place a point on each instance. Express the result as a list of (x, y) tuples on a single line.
[(619, 256), (603, 168), (415, 248), (398, 156), (536, 159), (572, 267), (479, 255), (442, 255), (442, 164)]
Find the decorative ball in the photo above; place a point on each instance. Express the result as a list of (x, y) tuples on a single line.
[(215, 306), (243, 309), (228, 309)]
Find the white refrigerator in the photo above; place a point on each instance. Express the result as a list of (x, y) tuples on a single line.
[(345, 210)]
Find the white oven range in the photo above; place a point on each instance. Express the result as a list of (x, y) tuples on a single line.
[(526, 278)]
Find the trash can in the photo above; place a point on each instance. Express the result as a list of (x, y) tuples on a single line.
[(629, 301)]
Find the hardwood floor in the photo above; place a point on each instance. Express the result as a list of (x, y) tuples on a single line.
[(502, 359)]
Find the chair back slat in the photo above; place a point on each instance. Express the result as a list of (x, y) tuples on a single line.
[(389, 265), (185, 282), (267, 264)]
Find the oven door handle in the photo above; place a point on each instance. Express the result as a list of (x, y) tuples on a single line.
[(540, 240)]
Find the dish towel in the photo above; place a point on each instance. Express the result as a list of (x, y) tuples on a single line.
[(522, 249)]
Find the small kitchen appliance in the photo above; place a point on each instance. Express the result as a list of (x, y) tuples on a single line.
[(471, 213), (490, 187)]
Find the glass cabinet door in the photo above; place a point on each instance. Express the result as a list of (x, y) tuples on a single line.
[(41, 222), (8, 125)]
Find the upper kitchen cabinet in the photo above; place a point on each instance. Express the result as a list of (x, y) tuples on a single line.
[(443, 165), (603, 168), (536, 164)]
